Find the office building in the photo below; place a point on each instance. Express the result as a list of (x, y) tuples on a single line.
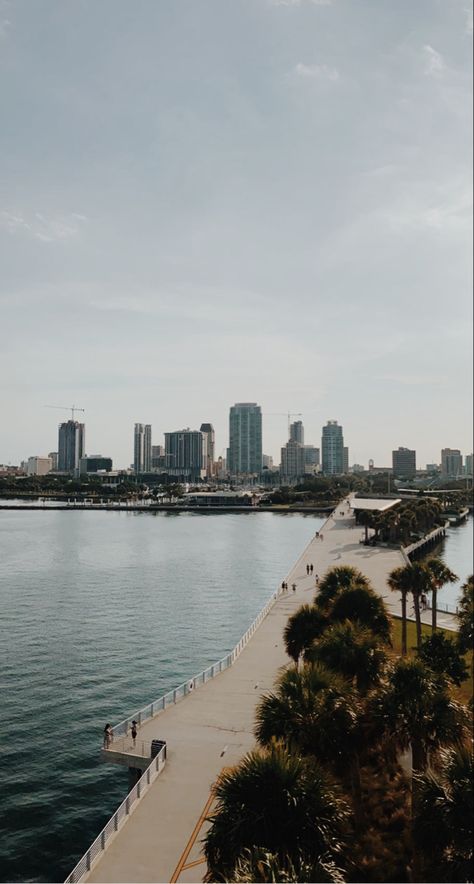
[(158, 460), (72, 440), (186, 454), (297, 432), (210, 435), (292, 461), (345, 459), (332, 448), (142, 448), (54, 460), (468, 464), (451, 463), (95, 463), (245, 439), (39, 466), (311, 456), (404, 463)]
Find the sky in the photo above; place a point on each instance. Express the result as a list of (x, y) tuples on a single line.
[(205, 202)]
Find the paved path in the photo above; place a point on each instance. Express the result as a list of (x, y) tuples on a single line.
[(212, 727)]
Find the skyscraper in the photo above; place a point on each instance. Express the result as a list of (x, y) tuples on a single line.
[(292, 461), (186, 454), (404, 463), (71, 445), (297, 432), (208, 431), (451, 463), (245, 438), (142, 448), (332, 449)]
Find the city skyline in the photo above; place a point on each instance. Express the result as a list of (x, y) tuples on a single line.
[(265, 201)]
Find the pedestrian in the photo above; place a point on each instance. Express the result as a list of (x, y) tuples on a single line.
[(108, 735), (321, 537), (311, 568), (307, 569), (134, 732), (293, 586), (317, 533), (316, 579), (283, 586), (424, 601)]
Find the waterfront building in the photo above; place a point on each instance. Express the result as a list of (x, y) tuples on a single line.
[(95, 463), (142, 448), (54, 460), (404, 463), (297, 432), (186, 454), (71, 446), (245, 439), (39, 466), (208, 431), (332, 447), (451, 463), (292, 461)]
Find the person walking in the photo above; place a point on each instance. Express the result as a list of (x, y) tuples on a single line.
[(134, 733), (293, 586), (307, 569), (311, 568), (108, 736)]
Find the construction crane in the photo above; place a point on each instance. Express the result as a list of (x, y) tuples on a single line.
[(286, 414), (71, 408)]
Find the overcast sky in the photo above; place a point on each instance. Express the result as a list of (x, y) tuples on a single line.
[(211, 201)]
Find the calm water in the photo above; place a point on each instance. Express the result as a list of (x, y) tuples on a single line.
[(101, 613)]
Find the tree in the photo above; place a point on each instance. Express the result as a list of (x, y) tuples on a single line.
[(275, 801), (351, 650), (316, 713), (466, 619), (306, 624), (415, 709), (442, 826), (440, 574), (400, 581), (336, 579), (359, 602), (366, 518), (442, 655), (259, 865), (414, 578)]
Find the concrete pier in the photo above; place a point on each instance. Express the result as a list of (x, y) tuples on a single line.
[(212, 727)]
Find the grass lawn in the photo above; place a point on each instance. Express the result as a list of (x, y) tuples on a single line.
[(463, 693)]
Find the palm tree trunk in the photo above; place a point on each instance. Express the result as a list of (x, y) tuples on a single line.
[(356, 789), (404, 624), (434, 601), (416, 603)]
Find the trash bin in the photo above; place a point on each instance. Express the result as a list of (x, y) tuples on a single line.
[(156, 747)]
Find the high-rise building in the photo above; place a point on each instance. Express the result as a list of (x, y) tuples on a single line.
[(210, 435), (311, 456), (142, 448), (71, 446), (292, 461), (245, 439), (297, 432), (468, 464), (95, 463), (404, 463), (158, 461), (54, 459), (345, 459), (186, 454), (39, 466), (332, 446), (451, 463), (267, 461)]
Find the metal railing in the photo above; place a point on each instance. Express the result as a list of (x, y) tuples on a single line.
[(122, 742), (120, 816), (443, 608)]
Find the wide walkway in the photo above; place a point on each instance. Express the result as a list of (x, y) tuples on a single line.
[(212, 728)]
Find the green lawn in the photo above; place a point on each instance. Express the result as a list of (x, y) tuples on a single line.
[(464, 693)]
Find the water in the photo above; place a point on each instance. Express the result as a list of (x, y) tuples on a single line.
[(456, 552), (100, 614)]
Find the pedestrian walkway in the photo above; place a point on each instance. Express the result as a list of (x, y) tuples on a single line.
[(212, 728)]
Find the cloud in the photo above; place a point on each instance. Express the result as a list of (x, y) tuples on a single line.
[(43, 228), (433, 61), (317, 71)]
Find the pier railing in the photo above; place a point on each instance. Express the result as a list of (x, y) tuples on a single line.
[(121, 730), (122, 742), (121, 814)]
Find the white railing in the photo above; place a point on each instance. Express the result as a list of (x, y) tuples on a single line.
[(431, 536), (118, 819), (443, 608), (121, 730), (122, 743)]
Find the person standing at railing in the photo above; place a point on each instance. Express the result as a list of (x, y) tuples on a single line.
[(108, 736), (134, 733)]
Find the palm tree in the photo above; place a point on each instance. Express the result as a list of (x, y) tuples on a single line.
[(442, 827), (336, 579), (361, 603), (442, 654), (414, 709), (261, 866), (315, 712), (466, 619), (351, 650), (440, 574), (306, 624), (278, 802), (366, 518), (399, 580)]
